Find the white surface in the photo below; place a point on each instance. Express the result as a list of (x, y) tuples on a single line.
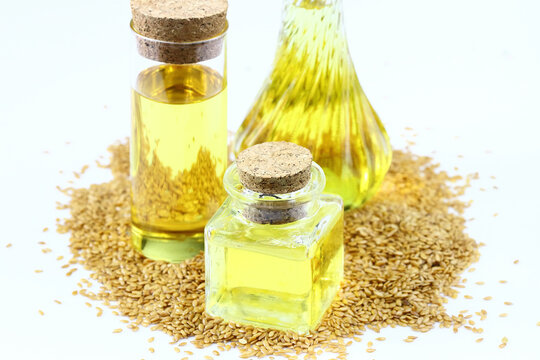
[(465, 69)]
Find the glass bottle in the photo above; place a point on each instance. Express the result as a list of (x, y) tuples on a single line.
[(179, 135), (274, 260), (313, 98)]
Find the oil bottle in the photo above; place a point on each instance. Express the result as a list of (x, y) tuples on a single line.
[(179, 124), (274, 249), (313, 98)]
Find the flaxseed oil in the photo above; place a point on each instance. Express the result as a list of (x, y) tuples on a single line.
[(178, 157), (278, 276), (313, 98)]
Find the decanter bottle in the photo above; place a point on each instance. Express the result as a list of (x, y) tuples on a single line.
[(313, 98)]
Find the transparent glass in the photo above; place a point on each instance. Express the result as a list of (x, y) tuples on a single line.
[(275, 276), (313, 98), (178, 143)]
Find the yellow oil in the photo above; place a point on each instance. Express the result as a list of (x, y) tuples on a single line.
[(274, 276), (313, 98), (178, 157)]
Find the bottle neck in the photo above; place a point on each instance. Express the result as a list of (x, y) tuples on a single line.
[(275, 208), (303, 19)]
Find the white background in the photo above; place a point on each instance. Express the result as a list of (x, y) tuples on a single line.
[(464, 74)]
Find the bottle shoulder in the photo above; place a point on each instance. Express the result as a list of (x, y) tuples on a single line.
[(230, 228)]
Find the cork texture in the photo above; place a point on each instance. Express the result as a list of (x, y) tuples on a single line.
[(179, 20), (275, 167), (179, 53)]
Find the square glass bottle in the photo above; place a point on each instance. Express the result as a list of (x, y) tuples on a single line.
[(273, 258)]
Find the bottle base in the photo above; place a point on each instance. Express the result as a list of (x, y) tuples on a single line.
[(170, 247)]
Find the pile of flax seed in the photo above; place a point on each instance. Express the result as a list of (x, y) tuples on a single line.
[(405, 251)]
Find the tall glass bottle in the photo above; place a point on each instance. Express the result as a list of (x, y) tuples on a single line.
[(178, 126), (313, 98)]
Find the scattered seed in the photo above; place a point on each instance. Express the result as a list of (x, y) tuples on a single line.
[(507, 303), (370, 344), (45, 229), (479, 283), (116, 331), (46, 250), (99, 311), (41, 242), (59, 258), (176, 349), (380, 338), (502, 346), (41, 312), (468, 297), (58, 301), (479, 340), (503, 281), (151, 349), (9, 245), (471, 269), (70, 272), (370, 350), (38, 271), (487, 298), (503, 315), (100, 223), (151, 339), (496, 214), (516, 261)]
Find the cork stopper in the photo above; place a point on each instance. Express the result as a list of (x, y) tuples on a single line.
[(166, 27), (274, 167)]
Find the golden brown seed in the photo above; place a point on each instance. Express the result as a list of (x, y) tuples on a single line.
[(516, 261), (141, 288), (479, 340), (41, 312), (176, 349), (9, 245), (45, 229), (57, 301), (380, 338), (151, 339), (370, 350), (507, 303), (503, 315), (479, 283), (487, 298), (468, 297), (116, 331), (151, 349), (503, 281)]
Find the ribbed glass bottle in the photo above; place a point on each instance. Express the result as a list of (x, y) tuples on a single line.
[(313, 98)]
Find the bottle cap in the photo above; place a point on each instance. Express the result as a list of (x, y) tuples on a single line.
[(179, 32), (275, 167), (179, 21)]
